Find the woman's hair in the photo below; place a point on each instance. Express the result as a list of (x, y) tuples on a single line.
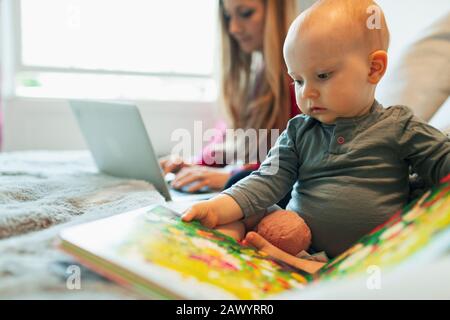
[(269, 105)]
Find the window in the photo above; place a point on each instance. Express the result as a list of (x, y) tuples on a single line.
[(138, 49)]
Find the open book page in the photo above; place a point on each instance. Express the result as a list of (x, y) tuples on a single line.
[(185, 258)]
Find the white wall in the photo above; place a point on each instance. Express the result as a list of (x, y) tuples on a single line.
[(304, 4), (406, 19)]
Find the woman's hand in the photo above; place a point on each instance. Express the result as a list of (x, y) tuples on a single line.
[(261, 244), (172, 163), (201, 176)]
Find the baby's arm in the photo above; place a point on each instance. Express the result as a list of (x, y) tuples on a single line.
[(275, 177), (426, 149), (254, 194), (237, 229), (224, 214)]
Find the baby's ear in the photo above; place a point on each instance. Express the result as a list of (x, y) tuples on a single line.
[(378, 64)]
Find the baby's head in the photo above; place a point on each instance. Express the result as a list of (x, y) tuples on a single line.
[(336, 52)]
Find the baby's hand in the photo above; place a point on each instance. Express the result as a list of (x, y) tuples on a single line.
[(219, 210), (204, 212)]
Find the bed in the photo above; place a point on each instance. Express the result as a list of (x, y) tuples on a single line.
[(41, 193)]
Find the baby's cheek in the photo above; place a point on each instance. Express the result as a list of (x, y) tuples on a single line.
[(341, 95), (300, 104), (298, 99)]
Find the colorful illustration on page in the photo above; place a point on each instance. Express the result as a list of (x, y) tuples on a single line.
[(208, 256)]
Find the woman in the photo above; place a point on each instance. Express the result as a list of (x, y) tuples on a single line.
[(255, 88)]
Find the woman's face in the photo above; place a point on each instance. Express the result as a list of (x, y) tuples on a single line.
[(245, 20)]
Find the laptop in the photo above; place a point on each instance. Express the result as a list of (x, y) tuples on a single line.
[(120, 145)]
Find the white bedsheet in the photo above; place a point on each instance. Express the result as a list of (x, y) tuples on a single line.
[(41, 193)]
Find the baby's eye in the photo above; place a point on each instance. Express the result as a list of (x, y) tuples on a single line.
[(324, 76), (299, 83)]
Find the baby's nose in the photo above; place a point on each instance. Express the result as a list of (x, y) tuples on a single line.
[(309, 92)]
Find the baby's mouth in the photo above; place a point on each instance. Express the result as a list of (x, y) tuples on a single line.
[(316, 109)]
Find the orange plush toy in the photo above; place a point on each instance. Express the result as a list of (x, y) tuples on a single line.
[(285, 230)]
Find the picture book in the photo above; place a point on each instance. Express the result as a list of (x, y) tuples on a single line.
[(154, 252)]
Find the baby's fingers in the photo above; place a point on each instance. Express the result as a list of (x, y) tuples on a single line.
[(196, 212), (189, 215), (202, 214)]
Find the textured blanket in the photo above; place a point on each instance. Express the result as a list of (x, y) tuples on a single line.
[(41, 193)]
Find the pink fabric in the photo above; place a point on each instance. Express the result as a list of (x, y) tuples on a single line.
[(206, 158)]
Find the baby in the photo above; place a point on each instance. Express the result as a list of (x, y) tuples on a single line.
[(346, 157)]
